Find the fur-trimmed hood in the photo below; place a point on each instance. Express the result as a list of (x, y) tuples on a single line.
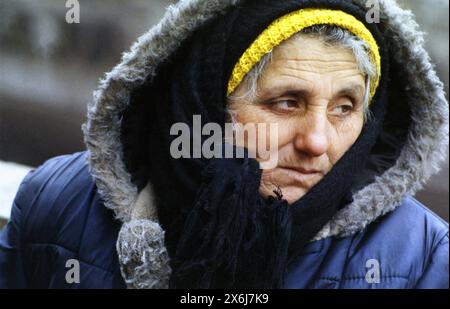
[(424, 146)]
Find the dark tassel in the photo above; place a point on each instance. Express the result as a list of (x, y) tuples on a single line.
[(232, 237)]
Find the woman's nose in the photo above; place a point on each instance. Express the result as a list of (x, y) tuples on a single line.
[(311, 136)]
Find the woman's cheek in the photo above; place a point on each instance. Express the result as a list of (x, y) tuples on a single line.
[(345, 135), (267, 126)]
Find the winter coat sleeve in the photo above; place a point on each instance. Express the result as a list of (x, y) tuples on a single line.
[(12, 274), (436, 274)]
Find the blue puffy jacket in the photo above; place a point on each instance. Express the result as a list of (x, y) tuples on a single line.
[(58, 216), (83, 214)]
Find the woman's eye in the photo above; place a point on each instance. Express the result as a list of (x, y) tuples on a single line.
[(284, 105), (342, 110)]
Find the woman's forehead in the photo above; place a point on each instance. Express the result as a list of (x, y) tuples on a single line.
[(314, 52), (302, 60)]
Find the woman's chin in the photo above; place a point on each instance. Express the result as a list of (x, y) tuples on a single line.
[(289, 193), (293, 194)]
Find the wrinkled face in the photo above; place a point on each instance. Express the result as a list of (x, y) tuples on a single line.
[(315, 93)]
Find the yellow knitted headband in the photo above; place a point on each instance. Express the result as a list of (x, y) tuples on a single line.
[(286, 26)]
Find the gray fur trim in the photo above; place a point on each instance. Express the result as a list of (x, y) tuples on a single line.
[(143, 256), (139, 239), (102, 129)]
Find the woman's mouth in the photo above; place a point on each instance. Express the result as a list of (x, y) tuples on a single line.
[(301, 175)]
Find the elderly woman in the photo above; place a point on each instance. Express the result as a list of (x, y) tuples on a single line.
[(361, 123)]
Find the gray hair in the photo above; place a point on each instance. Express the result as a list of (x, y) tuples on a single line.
[(331, 35)]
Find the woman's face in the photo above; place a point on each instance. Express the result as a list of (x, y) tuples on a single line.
[(314, 92)]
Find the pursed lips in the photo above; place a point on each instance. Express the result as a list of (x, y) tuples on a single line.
[(300, 174)]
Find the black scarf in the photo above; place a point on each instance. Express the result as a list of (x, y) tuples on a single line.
[(220, 233)]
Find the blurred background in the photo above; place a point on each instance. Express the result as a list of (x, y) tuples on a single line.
[(49, 68)]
